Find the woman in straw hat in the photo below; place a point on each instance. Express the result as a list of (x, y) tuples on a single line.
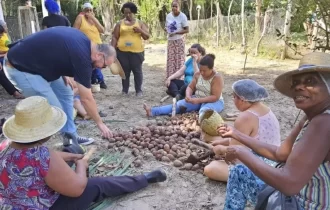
[(35, 177), (255, 120), (305, 152)]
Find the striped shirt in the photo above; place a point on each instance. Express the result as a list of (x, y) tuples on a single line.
[(316, 193)]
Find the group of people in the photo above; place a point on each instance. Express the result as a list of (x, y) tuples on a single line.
[(251, 148)]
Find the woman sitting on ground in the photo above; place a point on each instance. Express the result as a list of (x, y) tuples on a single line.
[(32, 176), (207, 85), (305, 152), (176, 86), (255, 120)]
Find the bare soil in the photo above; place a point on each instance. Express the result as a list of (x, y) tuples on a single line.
[(183, 189)]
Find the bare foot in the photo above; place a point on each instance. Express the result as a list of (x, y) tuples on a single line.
[(18, 95), (148, 110)]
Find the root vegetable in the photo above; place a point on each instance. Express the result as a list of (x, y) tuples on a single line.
[(155, 153), (195, 167), (183, 159), (134, 146), (181, 154), (150, 146), (174, 148), (148, 155), (171, 157), (121, 149), (160, 146), (137, 163), (167, 147), (111, 145), (193, 147), (173, 153), (159, 123), (177, 163), (112, 140), (135, 152), (159, 157), (165, 159), (140, 147), (188, 151), (187, 166)]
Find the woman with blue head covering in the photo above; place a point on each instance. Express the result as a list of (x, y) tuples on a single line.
[(54, 17), (255, 120)]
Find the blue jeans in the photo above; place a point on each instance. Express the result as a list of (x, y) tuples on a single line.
[(56, 92), (188, 107), (97, 76)]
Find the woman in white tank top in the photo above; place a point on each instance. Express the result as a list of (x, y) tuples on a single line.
[(255, 120)]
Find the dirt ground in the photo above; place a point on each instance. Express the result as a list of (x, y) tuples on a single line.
[(184, 189)]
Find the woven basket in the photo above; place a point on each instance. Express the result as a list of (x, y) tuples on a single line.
[(210, 121), (96, 88)]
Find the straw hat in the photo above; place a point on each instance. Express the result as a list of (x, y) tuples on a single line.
[(312, 62), (116, 69), (34, 120)]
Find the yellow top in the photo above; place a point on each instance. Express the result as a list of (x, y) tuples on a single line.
[(90, 31), (4, 41), (129, 41)]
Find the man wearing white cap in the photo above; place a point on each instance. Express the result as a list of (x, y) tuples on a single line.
[(40, 63)]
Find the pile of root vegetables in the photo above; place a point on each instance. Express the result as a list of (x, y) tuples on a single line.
[(168, 141)]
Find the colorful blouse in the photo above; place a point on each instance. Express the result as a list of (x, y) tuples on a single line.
[(22, 173), (316, 193)]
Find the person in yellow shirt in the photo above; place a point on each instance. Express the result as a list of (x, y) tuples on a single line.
[(128, 36), (87, 23), (5, 83)]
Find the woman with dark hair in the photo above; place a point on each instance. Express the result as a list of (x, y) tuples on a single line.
[(54, 18), (127, 39), (176, 86), (87, 23), (207, 85), (176, 26), (5, 83)]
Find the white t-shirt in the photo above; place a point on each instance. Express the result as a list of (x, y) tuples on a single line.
[(175, 24)]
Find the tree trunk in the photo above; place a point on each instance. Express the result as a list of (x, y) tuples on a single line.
[(267, 19), (287, 24), (212, 13), (222, 23), (229, 29), (1, 12), (218, 16), (190, 9), (44, 10), (257, 22), (243, 25), (108, 15)]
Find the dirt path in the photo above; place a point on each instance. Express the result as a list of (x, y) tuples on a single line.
[(183, 190)]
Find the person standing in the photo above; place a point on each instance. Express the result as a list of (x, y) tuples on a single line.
[(41, 63), (127, 39), (4, 82), (92, 28), (176, 26), (54, 18)]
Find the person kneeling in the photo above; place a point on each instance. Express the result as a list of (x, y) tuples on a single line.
[(39, 176)]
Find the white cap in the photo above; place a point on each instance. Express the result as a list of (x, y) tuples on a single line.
[(87, 5)]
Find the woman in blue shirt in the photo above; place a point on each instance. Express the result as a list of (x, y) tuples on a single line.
[(176, 86)]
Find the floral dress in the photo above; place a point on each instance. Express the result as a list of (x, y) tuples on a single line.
[(22, 173)]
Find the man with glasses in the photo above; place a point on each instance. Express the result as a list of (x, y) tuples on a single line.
[(40, 64)]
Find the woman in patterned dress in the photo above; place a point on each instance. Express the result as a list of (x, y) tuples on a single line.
[(305, 152), (256, 120), (176, 27), (33, 176)]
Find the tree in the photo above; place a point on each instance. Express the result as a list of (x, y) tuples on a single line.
[(287, 25)]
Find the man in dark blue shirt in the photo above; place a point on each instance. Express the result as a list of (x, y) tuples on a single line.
[(40, 64)]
